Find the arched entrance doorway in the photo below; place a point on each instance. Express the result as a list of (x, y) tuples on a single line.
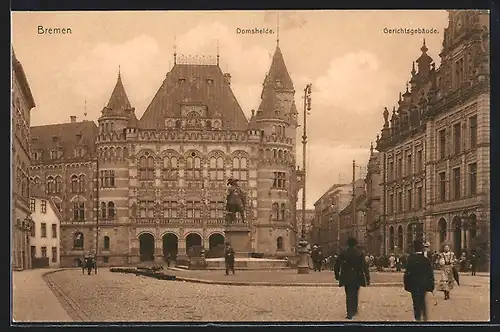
[(193, 245), (170, 245), (216, 245), (146, 247), (457, 236)]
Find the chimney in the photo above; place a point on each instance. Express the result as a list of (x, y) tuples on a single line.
[(227, 76), (73, 119)]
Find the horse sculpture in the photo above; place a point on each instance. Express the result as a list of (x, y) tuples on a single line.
[(236, 202)]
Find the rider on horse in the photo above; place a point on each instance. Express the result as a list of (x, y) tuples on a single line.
[(236, 200)]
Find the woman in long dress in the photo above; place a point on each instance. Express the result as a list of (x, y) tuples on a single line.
[(447, 260)]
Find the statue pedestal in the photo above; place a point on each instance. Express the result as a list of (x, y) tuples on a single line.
[(238, 235)]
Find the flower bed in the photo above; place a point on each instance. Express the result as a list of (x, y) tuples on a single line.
[(147, 272)]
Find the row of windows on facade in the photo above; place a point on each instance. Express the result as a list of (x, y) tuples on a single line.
[(456, 190), (43, 205), (78, 241), (43, 230), (171, 209), (193, 168), (107, 211), (457, 138), (43, 253), (442, 148), (58, 154), (54, 184)]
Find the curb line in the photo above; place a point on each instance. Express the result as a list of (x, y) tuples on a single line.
[(65, 301)]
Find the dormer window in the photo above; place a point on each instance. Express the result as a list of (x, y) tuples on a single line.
[(210, 81), (278, 83), (182, 80), (36, 155), (34, 139), (54, 138), (54, 154), (79, 136), (79, 152)]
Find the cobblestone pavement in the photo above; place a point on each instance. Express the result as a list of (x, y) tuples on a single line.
[(124, 297), (33, 301), (291, 276)]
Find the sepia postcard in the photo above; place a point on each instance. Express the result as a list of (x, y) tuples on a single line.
[(338, 160)]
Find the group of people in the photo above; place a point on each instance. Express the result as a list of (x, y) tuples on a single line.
[(352, 271)]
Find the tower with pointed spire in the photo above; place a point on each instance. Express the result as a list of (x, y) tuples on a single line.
[(276, 119)]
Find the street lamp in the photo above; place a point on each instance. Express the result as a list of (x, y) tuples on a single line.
[(303, 266), (465, 228)]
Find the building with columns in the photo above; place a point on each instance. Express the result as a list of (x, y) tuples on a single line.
[(21, 222), (142, 189), (436, 146)]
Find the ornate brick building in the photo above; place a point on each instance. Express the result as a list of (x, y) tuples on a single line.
[(435, 148), (21, 223), (162, 178)]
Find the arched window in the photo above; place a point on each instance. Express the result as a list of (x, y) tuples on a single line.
[(50, 185), (283, 211), (78, 210), (111, 210), (74, 183), (78, 240), (279, 243), (125, 152), (280, 154), (81, 184), (103, 210), (36, 182), (193, 168), (170, 171), (146, 168), (240, 170), (275, 211), (275, 153), (58, 184), (106, 243), (274, 129)]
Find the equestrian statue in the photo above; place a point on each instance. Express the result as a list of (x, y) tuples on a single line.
[(236, 202)]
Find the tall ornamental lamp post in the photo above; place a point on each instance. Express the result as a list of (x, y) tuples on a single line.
[(303, 266)]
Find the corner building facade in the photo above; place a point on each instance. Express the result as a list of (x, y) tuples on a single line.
[(21, 222), (158, 183), (436, 147)]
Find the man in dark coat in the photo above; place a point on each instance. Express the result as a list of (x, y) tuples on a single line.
[(229, 258), (418, 280), (352, 272), (473, 263)]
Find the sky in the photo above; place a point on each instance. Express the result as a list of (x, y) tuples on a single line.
[(355, 67)]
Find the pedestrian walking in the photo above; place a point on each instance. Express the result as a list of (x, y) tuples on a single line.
[(352, 273), (418, 280), (447, 262), (392, 263), (168, 258), (229, 258), (473, 264)]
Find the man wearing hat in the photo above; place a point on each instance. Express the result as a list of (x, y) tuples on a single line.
[(418, 280), (351, 270)]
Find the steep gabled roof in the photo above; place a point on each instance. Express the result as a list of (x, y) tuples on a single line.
[(65, 137), (189, 84)]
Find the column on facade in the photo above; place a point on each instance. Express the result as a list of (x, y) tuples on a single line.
[(181, 246), (158, 257), (463, 237)]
